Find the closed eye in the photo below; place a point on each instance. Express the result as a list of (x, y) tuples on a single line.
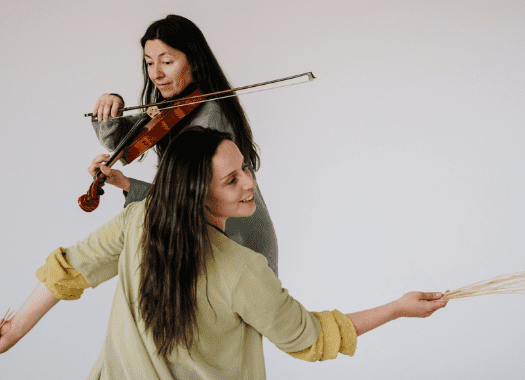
[(234, 179)]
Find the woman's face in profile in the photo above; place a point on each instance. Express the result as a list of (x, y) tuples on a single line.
[(232, 187), (168, 68)]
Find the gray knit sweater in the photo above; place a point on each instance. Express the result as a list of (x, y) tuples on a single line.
[(255, 232)]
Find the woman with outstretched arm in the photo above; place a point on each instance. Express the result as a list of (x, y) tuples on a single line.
[(190, 302)]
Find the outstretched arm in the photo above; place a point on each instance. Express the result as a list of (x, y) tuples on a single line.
[(413, 304), (37, 304), (339, 332)]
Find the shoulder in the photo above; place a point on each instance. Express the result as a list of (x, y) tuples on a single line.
[(233, 258), (210, 108), (210, 115), (229, 249), (133, 214)]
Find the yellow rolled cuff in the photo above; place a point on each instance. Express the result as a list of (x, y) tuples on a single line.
[(60, 278), (337, 335)]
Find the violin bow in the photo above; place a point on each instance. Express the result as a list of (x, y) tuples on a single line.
[(308, 74), (89, 201)]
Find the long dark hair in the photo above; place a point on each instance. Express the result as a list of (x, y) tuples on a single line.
[(175, 240), (183, 35)]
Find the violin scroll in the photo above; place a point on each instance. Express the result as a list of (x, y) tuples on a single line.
[(90, 201)]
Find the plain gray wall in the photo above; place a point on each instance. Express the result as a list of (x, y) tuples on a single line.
[(399, 168)]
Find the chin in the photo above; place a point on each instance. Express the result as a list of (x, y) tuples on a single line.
[(167, 95), (250, 213)]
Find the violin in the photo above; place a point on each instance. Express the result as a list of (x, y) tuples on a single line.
[(150, 128)]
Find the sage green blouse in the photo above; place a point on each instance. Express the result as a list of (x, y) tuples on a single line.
[(248, 301)]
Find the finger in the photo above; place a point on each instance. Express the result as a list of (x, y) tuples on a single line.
[(435, 305), (105, 170), (100, 103), (113, 176), (96, 163), (95, 110), (104, 157), (96, 170), (105, 112), (100, 111), (97, 105), (115, 106), (431, 296)]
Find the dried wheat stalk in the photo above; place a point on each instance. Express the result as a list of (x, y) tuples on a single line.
[(7, 315), (510, 283)]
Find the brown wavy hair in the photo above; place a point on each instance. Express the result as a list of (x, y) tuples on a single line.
[(183, 35), (175, 241)]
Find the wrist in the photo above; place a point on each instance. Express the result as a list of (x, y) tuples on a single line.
[(396, 309), (126, 184)]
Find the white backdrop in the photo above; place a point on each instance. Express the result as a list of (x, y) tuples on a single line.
[(399, 168)]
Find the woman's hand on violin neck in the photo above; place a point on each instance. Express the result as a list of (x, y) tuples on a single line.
[(108, 104), (114, 176)]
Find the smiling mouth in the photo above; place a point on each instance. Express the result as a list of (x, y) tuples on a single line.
[(249, 199)]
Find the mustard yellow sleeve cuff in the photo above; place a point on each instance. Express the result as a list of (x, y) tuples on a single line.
[(337, 335), (60, 278)]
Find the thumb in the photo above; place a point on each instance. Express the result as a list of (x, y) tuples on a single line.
[(104, 169), (432, 296)]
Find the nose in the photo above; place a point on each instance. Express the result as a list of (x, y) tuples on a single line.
[(248, 181), (155, 72)]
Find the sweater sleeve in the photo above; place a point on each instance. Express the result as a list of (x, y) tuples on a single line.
[(337, 335), (112, 132), (137, 191), (261, 301), (97, 256), (69, 271), (60, 278)]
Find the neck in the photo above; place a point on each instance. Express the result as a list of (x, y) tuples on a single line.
[(216, 221), (218, 229)]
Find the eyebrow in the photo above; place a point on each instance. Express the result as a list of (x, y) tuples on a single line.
[(160, 55), (229, 175)]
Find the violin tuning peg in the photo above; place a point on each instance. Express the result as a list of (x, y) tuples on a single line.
[(153, 111)]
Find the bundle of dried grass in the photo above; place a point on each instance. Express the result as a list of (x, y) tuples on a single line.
[(7, 315), (510, 283)]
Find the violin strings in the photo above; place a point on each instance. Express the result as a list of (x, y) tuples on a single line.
[(209, 100)]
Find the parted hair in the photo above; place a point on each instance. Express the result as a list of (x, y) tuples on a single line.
[(183, 35), (175, 240)]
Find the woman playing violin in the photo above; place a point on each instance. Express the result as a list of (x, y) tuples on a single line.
[(191, 303), (177, 60)]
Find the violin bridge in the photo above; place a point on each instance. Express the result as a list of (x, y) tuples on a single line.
[(153, 111)]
